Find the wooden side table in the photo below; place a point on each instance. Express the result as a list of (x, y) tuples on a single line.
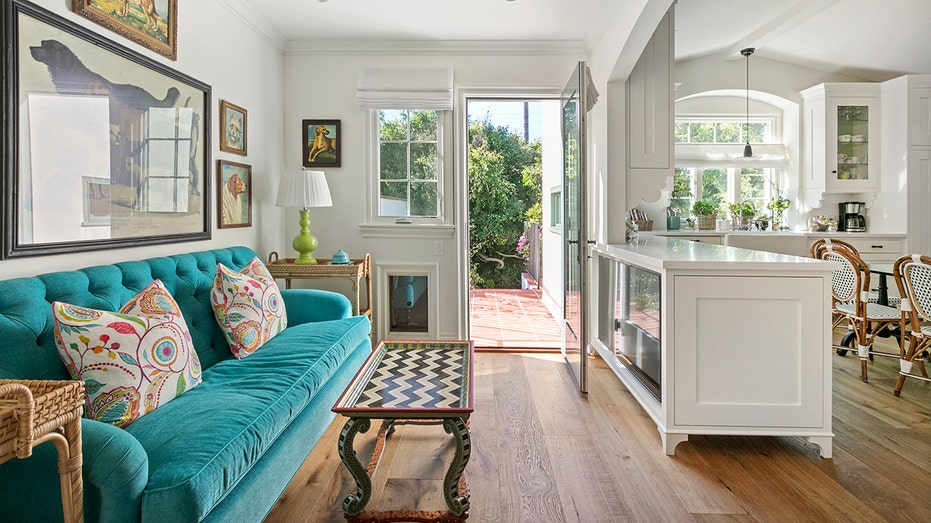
[(33, 412), (357, 270)]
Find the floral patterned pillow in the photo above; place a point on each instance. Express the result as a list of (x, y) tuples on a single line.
[(131, 361), (248, 307)]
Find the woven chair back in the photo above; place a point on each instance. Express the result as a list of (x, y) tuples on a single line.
[(846, 280), (915, 273)]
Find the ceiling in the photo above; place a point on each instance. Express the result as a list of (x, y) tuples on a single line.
[(870, 39)]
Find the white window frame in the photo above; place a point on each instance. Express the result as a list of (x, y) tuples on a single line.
[(440, 226)]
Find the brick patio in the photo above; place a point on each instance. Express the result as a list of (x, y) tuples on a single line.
[(512, 319)]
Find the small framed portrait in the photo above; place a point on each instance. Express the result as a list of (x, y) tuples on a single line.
[(321, 143), (234, 195), (150, 23), (234, 126)]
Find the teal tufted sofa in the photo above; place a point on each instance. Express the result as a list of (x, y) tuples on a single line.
[(223, 451)]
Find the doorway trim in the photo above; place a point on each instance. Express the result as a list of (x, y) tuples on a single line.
[(461, 135)]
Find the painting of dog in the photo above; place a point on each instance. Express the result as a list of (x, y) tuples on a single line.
[(151, 23), (96, 110), (234, 182), (320, 138)]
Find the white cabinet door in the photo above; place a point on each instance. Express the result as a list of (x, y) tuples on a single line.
[(750, 351), (649, 103), (852, 140), (919, 115)]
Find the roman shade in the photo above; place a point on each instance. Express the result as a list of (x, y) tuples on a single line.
[(729, 155), (405, 88)]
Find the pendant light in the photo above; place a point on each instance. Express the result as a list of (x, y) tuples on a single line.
[(748, 151)]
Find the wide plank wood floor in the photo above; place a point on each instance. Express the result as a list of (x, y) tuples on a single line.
[(544, 453)]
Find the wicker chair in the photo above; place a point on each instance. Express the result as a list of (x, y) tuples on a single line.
[(849, 287), (913, 278), (818, 246)]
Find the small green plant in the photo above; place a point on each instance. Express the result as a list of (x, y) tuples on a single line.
[(703, 208), (744, 210)]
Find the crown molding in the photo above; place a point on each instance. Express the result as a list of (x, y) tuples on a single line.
[(437, 47), (257, 22)]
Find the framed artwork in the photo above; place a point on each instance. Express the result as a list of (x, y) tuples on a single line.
[(320, 147), (234, 195), (152, 24), (233, 128), (104, 148)]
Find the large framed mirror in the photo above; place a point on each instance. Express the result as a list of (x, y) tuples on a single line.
[(103, 147)]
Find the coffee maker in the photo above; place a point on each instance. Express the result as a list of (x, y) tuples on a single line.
[(851, 217)]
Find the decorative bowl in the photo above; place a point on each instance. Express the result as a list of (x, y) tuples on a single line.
[(340, 258)]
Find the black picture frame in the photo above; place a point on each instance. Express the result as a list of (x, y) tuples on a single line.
[(78, 107), (321, 143)]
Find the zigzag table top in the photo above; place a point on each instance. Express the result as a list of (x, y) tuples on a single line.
[(417, 379)]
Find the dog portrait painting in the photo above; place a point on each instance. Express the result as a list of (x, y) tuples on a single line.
[(234, 189), (321, 143), (95, 110), (151, 23)]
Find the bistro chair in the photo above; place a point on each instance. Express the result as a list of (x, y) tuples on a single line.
[(913, 278), (849, 287), (818, 246)]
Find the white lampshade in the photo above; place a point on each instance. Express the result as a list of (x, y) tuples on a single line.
[(304, 189)]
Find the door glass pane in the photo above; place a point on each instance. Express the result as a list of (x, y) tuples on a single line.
[(853, 138)]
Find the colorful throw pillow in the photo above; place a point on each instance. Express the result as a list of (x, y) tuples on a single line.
[(131, 361), (248, 307)]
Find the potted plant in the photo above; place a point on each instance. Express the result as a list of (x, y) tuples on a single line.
[(678, 200), (742, 214), (778, 205), (705, 213)]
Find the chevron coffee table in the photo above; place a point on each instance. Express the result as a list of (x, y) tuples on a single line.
[(409, 382)]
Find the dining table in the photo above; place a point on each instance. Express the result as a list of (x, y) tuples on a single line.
[(882, 269)]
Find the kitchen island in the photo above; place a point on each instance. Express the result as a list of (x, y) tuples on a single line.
[(713, 339)]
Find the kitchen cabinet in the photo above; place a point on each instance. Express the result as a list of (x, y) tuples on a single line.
[(906, 129), (684, 325), (650, 117), (841, 137)]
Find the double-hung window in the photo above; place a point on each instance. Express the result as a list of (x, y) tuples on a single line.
[(409, 163), (409, 108), (709, 160)]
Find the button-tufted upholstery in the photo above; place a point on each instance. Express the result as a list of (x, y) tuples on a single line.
[(223, 451)]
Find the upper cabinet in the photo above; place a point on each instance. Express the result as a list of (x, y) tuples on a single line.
[(650, 116), (841, 141)]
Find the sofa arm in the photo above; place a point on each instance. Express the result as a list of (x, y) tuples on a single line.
[(312, 305), (115, 469), (117, 465)]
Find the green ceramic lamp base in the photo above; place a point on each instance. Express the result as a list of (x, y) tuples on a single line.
[(305, 243)]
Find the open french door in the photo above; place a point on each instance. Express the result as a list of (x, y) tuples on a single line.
[(577, 99)]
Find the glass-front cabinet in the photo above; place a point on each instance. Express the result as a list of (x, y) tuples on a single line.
[(842, 137)]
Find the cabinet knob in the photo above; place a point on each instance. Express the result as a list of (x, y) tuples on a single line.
[(834, 172)]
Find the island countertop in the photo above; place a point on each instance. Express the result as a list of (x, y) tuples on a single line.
[(661, 253)]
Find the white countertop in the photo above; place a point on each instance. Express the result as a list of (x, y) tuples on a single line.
[(661, 253), (775, 234)]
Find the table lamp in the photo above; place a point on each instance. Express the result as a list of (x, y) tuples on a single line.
[(304, 189)]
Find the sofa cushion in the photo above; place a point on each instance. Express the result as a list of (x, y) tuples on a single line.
[(248, 307), (201, 444), (131, 361)]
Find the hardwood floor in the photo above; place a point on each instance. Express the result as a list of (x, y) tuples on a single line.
[(544, 453)]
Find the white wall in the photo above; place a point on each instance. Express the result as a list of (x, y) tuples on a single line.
[(246, 70), (320, 82)]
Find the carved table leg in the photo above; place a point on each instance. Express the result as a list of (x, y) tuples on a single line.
[(355, 502), (457, 503)]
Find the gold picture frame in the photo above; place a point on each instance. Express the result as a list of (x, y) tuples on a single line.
[(234, 128), (234, 195), (152, 24)]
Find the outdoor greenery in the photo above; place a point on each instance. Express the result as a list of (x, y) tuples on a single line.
[(505, 190), (681, 196), (407, 155)]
